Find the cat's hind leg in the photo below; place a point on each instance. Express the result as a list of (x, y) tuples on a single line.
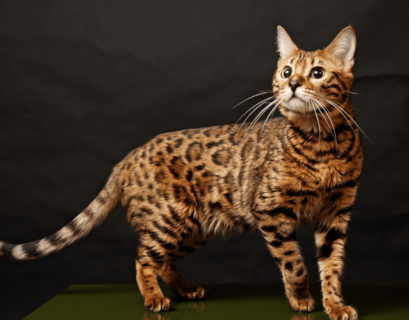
[(177, 284), (171, 276), (156, 257), (147, 268)]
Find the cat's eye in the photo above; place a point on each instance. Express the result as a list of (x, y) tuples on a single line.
[(317, 73), (287, 72)]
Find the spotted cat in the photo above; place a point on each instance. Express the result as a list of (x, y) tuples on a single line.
[(181, 189)]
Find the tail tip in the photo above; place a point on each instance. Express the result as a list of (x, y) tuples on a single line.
[(6, 249)]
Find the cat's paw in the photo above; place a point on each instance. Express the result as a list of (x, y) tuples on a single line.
[(191, 292), (343, 313), (157, 303), (304, 303)]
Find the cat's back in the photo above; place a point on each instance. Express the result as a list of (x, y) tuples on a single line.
[(207, 165), (217, 146)]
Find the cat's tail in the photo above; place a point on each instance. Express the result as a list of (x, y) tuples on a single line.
[(98, 210)]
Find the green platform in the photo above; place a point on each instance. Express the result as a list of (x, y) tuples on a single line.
[(386, 301)]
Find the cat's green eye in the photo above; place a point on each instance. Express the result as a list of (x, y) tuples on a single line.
[(287, 72), (317, 73)]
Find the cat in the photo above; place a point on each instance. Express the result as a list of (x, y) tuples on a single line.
[(181, 189)]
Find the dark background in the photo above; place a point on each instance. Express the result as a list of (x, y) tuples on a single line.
[(82, 83)]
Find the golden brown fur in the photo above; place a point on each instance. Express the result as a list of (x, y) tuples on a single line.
[(182, 189)]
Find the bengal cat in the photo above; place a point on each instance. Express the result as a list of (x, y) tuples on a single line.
[(183, 188)]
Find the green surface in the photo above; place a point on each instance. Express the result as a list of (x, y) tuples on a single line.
[(224, 301)]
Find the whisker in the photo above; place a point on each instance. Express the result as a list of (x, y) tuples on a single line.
[(326, 112), (256, 95), (332, 132), (253, 123), (319, 128), (270, 114), (343, 112), (346, 113), (353, 92), (251, 114), (257, 106)]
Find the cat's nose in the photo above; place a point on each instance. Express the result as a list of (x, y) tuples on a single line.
[(294, 84)]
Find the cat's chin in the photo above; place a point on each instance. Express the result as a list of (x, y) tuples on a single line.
[(297, 105)]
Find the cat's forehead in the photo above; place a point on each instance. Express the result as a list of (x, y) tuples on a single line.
[(307, 58)]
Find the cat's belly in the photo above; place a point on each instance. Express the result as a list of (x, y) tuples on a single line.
[(226, 220)]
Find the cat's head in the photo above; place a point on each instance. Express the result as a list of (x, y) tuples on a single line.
[(305, 81)]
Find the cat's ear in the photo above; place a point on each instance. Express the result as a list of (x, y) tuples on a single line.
[(343, 47), (285, 45)]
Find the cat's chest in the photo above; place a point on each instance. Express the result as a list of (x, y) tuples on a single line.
[(328, 175), (307, 189), (316, 177)]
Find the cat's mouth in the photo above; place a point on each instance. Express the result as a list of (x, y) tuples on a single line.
[(296, 104)]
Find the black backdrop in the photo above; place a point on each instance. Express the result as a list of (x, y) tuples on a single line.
[(84, 82)]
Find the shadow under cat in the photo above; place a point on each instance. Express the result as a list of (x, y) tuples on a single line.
[(224, 301), (234, 301)]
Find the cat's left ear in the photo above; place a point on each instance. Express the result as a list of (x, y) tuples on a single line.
[(343, 47)]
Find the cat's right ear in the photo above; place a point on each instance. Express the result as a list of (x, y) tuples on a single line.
[(285, 45), (343, 47)]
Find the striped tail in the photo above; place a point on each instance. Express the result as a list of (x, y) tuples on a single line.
[(92, 216)]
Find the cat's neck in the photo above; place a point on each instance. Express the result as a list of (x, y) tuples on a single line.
[(321, 135)]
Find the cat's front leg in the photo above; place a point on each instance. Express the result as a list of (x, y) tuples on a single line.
[(278, 228), (330, 237)]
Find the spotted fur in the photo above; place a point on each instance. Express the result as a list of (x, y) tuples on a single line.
[(182, 189)]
